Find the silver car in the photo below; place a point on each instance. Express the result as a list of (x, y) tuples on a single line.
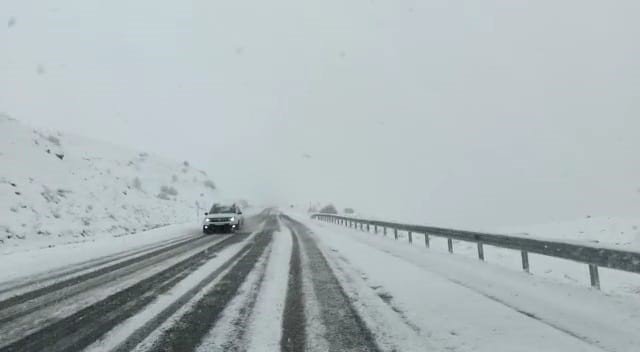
[(223, 218)]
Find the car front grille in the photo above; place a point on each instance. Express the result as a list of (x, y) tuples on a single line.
[(219, 219)]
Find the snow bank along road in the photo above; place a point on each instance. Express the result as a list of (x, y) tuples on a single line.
[(290, 284)]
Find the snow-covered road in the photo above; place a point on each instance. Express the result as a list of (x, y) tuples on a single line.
[(288, 283)]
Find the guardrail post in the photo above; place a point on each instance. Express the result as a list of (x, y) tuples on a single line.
[(375, 229), (410, 237), (395, 233), (480, 251), (525, 261), (426, 240), (450, 245), (385, 230), (368, 228), (361, 227), (594, 276)]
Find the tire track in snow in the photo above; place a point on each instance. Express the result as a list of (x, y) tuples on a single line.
[(229, 332), (188, 332), (344, 329), (85, 282), (393, 329), (142, 332), (80, 329), (29, 317), (51, 277), (265, 327), (293, 328)]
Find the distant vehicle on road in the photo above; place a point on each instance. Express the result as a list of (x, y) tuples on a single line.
[(223, 218)]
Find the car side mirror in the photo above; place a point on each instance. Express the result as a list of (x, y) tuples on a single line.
[(239, 212), (205, 214)]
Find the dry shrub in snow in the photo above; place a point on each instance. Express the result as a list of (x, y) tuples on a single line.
[(329, 209), (169, 190), (166, 192), (137, 184), (49, 195), (54, 140)]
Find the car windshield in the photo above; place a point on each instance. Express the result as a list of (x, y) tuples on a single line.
[(222, 210)]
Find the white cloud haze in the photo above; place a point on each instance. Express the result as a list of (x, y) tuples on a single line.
[(463, 113)]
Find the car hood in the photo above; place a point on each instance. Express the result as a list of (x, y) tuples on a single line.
[(221, 215)]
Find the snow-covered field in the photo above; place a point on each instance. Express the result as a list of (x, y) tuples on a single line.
[(623, 232), (610, 231), (57, 188)]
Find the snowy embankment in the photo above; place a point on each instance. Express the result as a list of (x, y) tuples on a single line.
[(57, 188), (460, 303), (605, 232)]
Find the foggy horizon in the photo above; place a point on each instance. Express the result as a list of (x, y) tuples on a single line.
[(500, 113)]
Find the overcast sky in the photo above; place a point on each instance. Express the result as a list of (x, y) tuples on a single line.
[(459, 113)]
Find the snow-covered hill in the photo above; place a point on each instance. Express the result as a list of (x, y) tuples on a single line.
[(62, 188)]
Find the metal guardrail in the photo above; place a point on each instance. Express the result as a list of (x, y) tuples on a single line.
[(593, 256)]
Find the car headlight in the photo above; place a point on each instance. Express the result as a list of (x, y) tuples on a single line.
[(232, 219), (207, 220)]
